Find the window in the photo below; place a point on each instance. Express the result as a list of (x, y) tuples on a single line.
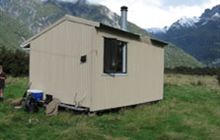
[(115, 56)]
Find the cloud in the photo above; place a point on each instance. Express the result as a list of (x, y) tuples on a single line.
[(182, 2), (158, 13)]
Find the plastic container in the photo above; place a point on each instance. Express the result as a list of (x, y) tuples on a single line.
[(36, 94)]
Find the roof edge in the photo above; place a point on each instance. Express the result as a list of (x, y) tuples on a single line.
[(126, 33), (158, 42), (81, 20)]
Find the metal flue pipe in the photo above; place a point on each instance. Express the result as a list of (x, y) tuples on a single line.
[(124, 10)]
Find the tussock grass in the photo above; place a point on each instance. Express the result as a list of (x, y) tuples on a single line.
[(187, 112), (210, 82)]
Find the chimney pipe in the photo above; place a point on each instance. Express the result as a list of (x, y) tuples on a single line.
[(124, 10)]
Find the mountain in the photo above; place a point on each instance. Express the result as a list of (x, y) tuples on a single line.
[(37, 15), (11, 32), (43, 13), (176, 57), (184, 22), (33, 14), (199, 37)]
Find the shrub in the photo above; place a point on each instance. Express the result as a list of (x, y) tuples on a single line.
[(15, 62), (218, 78), (193, 71)]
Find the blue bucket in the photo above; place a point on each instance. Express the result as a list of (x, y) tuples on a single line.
[(36, 94)]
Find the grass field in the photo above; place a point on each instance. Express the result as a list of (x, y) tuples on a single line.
[(188, 111)]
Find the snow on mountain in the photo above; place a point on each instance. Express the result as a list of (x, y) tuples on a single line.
[(194, 22), (188, 22), (198, 36), (212, 17), (216, 15), (185, 22)]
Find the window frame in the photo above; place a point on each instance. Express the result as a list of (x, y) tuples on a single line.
[(124, 58)]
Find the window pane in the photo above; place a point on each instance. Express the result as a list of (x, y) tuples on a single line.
[(114, 56)]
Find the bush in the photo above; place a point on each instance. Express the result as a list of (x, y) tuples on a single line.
[(194, 71), (218, 78), (15, 62)]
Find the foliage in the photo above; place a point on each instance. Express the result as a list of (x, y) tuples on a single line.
[(187, 112), (15, 62), (218, 78), (194, 71)]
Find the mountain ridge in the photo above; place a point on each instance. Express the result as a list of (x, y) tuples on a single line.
[(201, 39), (37, 15)]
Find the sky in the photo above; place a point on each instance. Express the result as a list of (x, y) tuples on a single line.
[(158, 13)]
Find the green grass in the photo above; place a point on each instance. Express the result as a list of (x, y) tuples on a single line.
[(187, 112)]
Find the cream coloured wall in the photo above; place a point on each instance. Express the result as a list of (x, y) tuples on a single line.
[(55, 65), (142, 83)]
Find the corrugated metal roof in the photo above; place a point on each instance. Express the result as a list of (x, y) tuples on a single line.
[(119, 31)]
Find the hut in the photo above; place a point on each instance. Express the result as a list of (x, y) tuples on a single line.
[(92, 66)]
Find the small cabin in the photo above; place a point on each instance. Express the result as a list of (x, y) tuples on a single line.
[(96, 67)]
